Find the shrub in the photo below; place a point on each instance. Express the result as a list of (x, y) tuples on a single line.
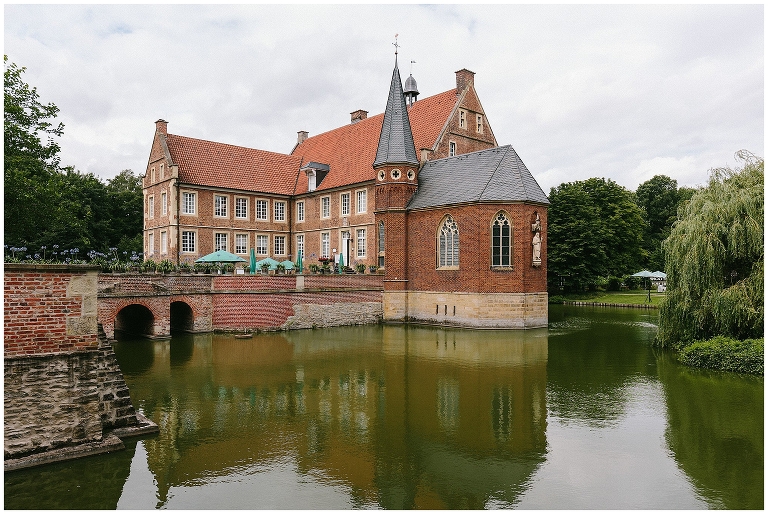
[(185, 267), (360, 268), (556, 299), (726, 354), (148, 266), (166, 266)]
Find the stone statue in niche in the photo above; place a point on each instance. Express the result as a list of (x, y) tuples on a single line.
[(536, 242)]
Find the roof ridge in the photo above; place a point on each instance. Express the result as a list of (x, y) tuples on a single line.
[(229, 144)]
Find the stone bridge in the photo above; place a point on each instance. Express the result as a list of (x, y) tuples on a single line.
[(152, 305)]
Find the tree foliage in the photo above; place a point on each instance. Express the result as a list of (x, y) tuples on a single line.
[(715, 259), (595, 229), (659, 199), (47, 204)]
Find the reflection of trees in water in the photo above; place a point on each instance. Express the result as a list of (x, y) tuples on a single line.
[(92, 483), (721, 454), (594, 361)]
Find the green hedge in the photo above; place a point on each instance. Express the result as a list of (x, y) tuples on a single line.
[(726, 354)]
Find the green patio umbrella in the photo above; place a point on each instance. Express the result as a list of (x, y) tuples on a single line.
[(341, 262), (220, 256), (288, 264), (253, 261), (271, 262), (300, 263)]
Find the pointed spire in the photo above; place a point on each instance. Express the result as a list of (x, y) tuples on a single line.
[(396, 139)]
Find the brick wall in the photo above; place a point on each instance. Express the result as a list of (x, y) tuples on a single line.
[(49, 309)]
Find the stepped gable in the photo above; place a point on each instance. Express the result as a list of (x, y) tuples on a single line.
[(206, 163), (350, 150), (494, 175)]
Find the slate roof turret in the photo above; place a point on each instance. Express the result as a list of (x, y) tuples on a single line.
[(396, 139)]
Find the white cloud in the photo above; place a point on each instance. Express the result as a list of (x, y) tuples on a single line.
[(580, 91)]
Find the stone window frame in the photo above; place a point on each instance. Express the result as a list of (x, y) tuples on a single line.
[(448, 258), (164, 203), (325, 244), (163, 242), (361, 243), (361, 201), (501, 245), (325, 207), (262, 215), (240, 235), (300, 211), (162, 171), (265, 238), (282, 239), (189, 248), (151, 207), (300, 246), (480, 125), (217, 238), (218, 211), (348, 210), (451, 148), (240, 203), (151, 242), (185, 204), (152, 175), (277, 204), (462, 119)]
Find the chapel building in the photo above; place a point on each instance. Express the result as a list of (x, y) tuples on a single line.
[(423, 191)]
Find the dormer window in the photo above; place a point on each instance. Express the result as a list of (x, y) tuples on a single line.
[(316, 172), (312, 185)]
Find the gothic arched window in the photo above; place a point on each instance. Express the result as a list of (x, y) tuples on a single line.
[(448, 244), (501, 240)]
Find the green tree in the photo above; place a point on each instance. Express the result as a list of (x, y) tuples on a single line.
[(715, 259), (659, 198), (595, 229)]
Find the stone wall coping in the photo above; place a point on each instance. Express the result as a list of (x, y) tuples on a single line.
[(49, 355), (27, 266)]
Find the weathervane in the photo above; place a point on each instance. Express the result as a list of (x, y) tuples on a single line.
[(395, 43)]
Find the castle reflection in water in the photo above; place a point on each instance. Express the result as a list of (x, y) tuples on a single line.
[(404, 417)]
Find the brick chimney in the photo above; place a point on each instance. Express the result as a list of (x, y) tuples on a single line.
[(161, 126), (358, 115), (303, 135), (464, 78)]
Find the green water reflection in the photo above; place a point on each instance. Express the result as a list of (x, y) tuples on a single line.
[(584, 414)]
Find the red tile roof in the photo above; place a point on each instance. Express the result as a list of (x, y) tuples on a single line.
[(349, 150), (207, 163)]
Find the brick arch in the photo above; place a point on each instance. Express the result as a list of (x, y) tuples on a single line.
[(108, 308), (202, 310)]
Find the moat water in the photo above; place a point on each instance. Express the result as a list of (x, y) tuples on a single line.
[(584, 414)]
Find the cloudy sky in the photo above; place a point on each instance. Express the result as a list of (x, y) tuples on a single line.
[(616, 91)]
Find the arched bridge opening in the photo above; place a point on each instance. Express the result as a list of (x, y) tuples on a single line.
[(182, 317), (134, 320)]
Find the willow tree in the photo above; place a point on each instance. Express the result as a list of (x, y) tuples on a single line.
[(714, 260)]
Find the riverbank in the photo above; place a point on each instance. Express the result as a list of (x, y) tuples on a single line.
[(631, 299)]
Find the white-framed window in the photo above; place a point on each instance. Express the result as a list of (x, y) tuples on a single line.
[(345, 200), (325, 207), (300, 245), (220, 241), (241, 208), (261, 209), (262, 242), (151, 243), (325, 244), (188, 241), (163, 242), (279, 242), (300, 211), (220, 206), (162, 171), (501, 240), (164, 203), (151, 207), (362, 201), (279, 211), (451, 149), (480, 123), (188, 203), (361, 242), (448, 244), (241, 243), (462, 118)]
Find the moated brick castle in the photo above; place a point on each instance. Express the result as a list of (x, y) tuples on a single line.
[(457, 223)]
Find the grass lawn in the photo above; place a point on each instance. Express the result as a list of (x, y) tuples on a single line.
[(636, 296)]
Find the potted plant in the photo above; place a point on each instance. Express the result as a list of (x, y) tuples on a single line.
[(185, 267), (148, 266), (360, 268), (280, 269), (265, 268), (119, 267), (373, 269), (165, 266), (313, 268)]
